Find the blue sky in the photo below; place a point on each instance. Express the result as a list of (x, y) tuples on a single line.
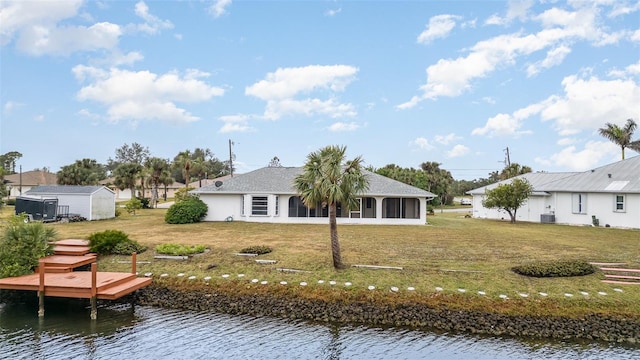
[(403, 82)]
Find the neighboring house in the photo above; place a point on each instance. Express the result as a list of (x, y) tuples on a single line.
[(610, 194), (18, 184), (91, 202), (125, 194), (268, 195)]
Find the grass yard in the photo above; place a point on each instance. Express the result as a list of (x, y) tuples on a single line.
[(450, 253)]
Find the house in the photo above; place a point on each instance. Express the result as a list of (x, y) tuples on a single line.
[(168, 191), (268, 195), (605, 196), (18, 184), (90, 202)]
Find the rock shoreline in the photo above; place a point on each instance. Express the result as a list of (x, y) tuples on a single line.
[(415, 316)]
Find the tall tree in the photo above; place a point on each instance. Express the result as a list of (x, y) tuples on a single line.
[(508, 197), (8, 161), (328, 179), (621, 136), (134, 153), (513, 170), (159, 174), (184, 162), (82, 172), (126, 176), (439, 180)]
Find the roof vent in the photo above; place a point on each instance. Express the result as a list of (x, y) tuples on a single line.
[(218, 183), (609, 175)]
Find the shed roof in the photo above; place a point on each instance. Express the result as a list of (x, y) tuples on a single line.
[(279, 180), (67, 189)]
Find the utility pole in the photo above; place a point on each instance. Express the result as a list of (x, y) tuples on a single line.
[(507, 159), (230, 158)]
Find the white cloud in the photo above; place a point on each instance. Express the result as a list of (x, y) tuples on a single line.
[(219, 7), (501, 125), (624, 8), (588, 103), (581, 160), (16, 16), (446, 139), (142, 95), (153, 24), (458, 150), (10, 106), (280, 89), (41, 40), (554, 57), (341, 126), (39, 118), (628, 71), (635, 36), (439, 27), (422, 143), (235, 123), (585, 105), (517, 9), (560, 28), (566, 141), (333, 12)]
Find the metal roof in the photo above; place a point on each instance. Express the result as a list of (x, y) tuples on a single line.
[(279, 180), (66, 189), (620, 177)]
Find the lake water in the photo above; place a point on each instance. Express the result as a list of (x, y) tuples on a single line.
[(140, 332)]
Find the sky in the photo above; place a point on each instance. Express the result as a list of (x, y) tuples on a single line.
[(396, 82)]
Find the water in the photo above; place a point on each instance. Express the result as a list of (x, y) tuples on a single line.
[(126, 332)]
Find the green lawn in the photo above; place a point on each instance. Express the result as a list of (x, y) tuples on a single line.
[(452, 252)]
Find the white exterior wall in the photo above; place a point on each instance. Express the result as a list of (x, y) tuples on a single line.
[(602, 205), (103, 205), (222, 206), (78, 203)]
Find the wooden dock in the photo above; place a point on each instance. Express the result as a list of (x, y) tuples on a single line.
[(55, 276)]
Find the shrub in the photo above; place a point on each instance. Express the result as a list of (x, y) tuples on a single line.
[(256, 249), (22, 245), (145, 202), (188, 211), (132, 205), (180, 250), (182, 194), (558, 268), (113, 242)]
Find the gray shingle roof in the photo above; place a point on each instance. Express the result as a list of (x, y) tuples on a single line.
[(279, 180), (65, 189), (620, 177)]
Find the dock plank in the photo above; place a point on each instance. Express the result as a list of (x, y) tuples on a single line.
[(70, 250), (72, 242)]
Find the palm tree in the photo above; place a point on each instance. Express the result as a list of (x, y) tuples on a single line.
[(126, 176), (621, 136), (184, 162), (328, 180), (158, 174)]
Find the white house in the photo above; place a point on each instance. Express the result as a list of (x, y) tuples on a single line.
[(268, 195), (90, 202), (609, 194), (20, 183)]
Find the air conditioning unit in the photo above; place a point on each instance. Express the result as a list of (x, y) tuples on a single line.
[(548, 218)]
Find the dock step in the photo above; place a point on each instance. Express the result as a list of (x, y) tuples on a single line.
[(122, 289), (620, 270), (620, 282), (628, 277), (70, 250), (72, 242)]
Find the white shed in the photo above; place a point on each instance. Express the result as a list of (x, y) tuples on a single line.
[(90, 202)]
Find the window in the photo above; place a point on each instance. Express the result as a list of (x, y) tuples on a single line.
[(619, 203), (259, 205), (400, 208), (242, 205), (579, 203), (277, 205), (296, 207)]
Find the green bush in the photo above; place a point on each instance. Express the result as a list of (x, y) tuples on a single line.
[(132, 205), (188, 211), (145, 202), (22, 245), (558, 268), (180, 250), (114, 242), (256, 249)]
